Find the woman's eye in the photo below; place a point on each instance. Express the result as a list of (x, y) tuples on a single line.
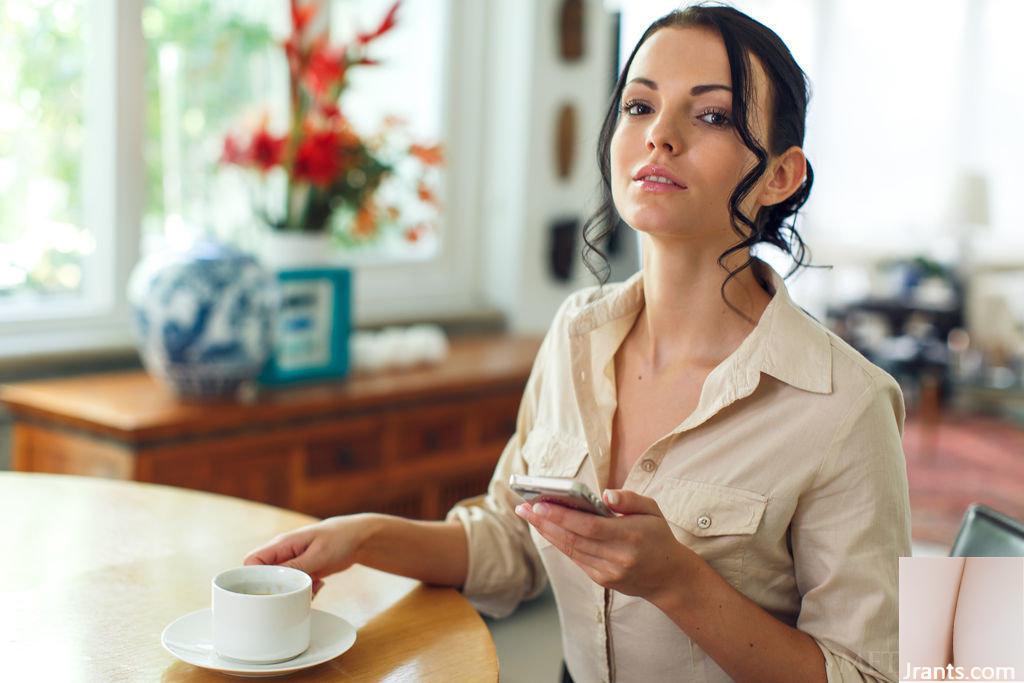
[(718, 117), (722, 119), (629, 106)]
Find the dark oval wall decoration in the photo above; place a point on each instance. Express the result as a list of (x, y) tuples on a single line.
[(565, 141), (570, 30)]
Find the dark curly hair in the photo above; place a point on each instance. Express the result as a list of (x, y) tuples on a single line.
[(788, 96)]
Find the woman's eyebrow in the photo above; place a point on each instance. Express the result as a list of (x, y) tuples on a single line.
[(695, 90)]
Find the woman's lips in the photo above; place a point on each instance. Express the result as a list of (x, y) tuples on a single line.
[(656, 187)]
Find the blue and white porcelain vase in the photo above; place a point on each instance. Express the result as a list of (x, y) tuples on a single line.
[(204, 317)]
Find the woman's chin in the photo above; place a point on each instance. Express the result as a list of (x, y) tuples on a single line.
[(655, 227)]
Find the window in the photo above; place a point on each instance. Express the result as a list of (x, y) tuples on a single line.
[(114, 122), (46, 247), (203, 78)]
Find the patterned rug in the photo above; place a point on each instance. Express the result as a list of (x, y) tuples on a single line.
[(958, 461)]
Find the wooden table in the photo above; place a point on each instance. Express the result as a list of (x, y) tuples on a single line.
[(410, 442), (94, 569)]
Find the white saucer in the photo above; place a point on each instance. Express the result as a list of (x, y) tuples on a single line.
[(190, 639)]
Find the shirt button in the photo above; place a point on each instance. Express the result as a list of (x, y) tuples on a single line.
[(648, 465), (583, 375), (704, 521), (599, 615)]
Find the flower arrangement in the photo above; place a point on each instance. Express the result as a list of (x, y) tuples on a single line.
[(330, 169)]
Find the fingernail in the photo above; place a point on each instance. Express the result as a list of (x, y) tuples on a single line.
[(521, 508), (612, 497), (540, 509)]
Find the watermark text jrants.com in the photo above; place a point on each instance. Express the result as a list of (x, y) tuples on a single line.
[(958, 673)]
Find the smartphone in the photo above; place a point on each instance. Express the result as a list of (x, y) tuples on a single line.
[(560, 491)]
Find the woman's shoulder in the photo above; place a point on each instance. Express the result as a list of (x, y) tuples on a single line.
[(852, 365), (583, 298), (855, 376)]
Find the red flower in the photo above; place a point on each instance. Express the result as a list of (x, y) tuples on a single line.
[(266, 150), (385, 26), (326, 67), (233, 152), (318, 159), (302, 14), (330, 111)]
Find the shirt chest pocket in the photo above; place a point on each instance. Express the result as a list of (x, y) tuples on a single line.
[(717, 522), (551, 454)]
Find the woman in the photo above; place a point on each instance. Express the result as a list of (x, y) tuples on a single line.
[(753, 458)]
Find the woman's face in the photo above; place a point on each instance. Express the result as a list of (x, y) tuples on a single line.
[(689, 133)]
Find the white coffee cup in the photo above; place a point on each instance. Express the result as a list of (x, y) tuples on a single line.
[(261, 613)]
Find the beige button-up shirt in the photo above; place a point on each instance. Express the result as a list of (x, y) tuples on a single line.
[(788, 479)]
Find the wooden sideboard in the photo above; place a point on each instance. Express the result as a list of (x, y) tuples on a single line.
[(410, 442)]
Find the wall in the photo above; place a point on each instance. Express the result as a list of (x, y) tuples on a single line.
[(527, 85)]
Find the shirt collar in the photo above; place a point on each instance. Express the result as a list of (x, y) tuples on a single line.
[(787, 343)]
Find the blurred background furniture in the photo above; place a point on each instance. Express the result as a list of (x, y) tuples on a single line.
[(410, 442), (988, 533), (906, 329)]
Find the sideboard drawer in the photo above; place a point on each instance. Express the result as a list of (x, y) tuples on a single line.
[(428, 431), (355, 445)]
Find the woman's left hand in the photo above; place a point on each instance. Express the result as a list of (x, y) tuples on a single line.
[(634, 553)]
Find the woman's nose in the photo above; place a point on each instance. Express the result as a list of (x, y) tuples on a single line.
[(662, 137)]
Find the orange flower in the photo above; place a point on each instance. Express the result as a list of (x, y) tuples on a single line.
[(394, 121), (366, 220), (414, 233), (425, 194), (430, 155)]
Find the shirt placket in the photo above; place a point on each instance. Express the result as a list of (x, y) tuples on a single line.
[(583, 383)]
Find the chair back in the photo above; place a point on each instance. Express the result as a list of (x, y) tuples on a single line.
[(985, 532)]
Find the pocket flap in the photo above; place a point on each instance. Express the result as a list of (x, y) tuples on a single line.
[(551, 454), (704, 509)]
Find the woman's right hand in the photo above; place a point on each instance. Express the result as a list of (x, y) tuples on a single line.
[(319, 549)]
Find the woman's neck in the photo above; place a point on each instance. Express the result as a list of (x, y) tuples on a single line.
[(685, 320)]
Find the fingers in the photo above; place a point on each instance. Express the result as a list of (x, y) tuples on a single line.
[(280, 550), (575, 546), (629, 502), (582, 523), (317, 585)]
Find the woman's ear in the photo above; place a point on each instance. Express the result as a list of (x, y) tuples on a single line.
[(785, 174)]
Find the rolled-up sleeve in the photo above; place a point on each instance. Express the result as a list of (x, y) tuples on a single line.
[(848, 532), (504, 565)]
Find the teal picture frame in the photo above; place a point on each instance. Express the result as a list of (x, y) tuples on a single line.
[(312, 327)]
